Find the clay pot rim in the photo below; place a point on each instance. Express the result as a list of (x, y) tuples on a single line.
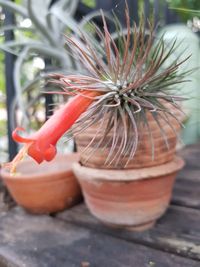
[(5, 175), (128, 174)]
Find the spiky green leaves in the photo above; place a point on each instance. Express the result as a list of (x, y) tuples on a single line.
[(131, 82)]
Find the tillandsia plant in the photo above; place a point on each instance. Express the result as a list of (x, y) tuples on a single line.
[(128, 76)]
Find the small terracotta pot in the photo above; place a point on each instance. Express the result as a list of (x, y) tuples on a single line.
[(143, 156), (133, 199), (45, 188)]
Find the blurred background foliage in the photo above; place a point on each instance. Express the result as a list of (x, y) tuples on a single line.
[(39, 45), (186, 5), (180, 4)]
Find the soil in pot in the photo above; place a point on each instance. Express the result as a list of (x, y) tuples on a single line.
[(133, 199), (46, 188)]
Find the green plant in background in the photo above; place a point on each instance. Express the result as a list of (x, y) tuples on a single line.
[(189, 11), (89, 3), (39, 38), (185, 8), (2, 128), (46, 42)]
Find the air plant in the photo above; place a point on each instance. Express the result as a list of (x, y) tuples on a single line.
[(128, 76)]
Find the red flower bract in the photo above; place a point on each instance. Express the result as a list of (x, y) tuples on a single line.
[(42, 145)]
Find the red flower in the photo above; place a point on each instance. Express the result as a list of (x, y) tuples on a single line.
[(42, 145)]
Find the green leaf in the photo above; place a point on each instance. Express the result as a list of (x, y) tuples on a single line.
[(89, 3), (186, 10)]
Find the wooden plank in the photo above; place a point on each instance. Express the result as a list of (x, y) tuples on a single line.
[(177, 232), (187, 187), (191, 155), (32, 241), (186, 192)]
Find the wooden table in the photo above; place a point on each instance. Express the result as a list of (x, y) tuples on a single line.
[(75, 238)]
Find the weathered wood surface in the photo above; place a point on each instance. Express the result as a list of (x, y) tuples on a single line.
[(177, 232), (43, 241), (76, 238), (187, 187)]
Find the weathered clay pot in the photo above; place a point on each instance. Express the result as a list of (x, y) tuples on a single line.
[(143, 156), (128, 198), (45, 188)]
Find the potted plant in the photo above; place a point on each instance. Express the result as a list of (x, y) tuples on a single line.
[(125, 117), (40, 37)]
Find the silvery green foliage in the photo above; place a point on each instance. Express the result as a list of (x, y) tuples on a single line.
[(48, 25)]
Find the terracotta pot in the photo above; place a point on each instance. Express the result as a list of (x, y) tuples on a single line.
[(143, 156), (134, 199), (45, 188)]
